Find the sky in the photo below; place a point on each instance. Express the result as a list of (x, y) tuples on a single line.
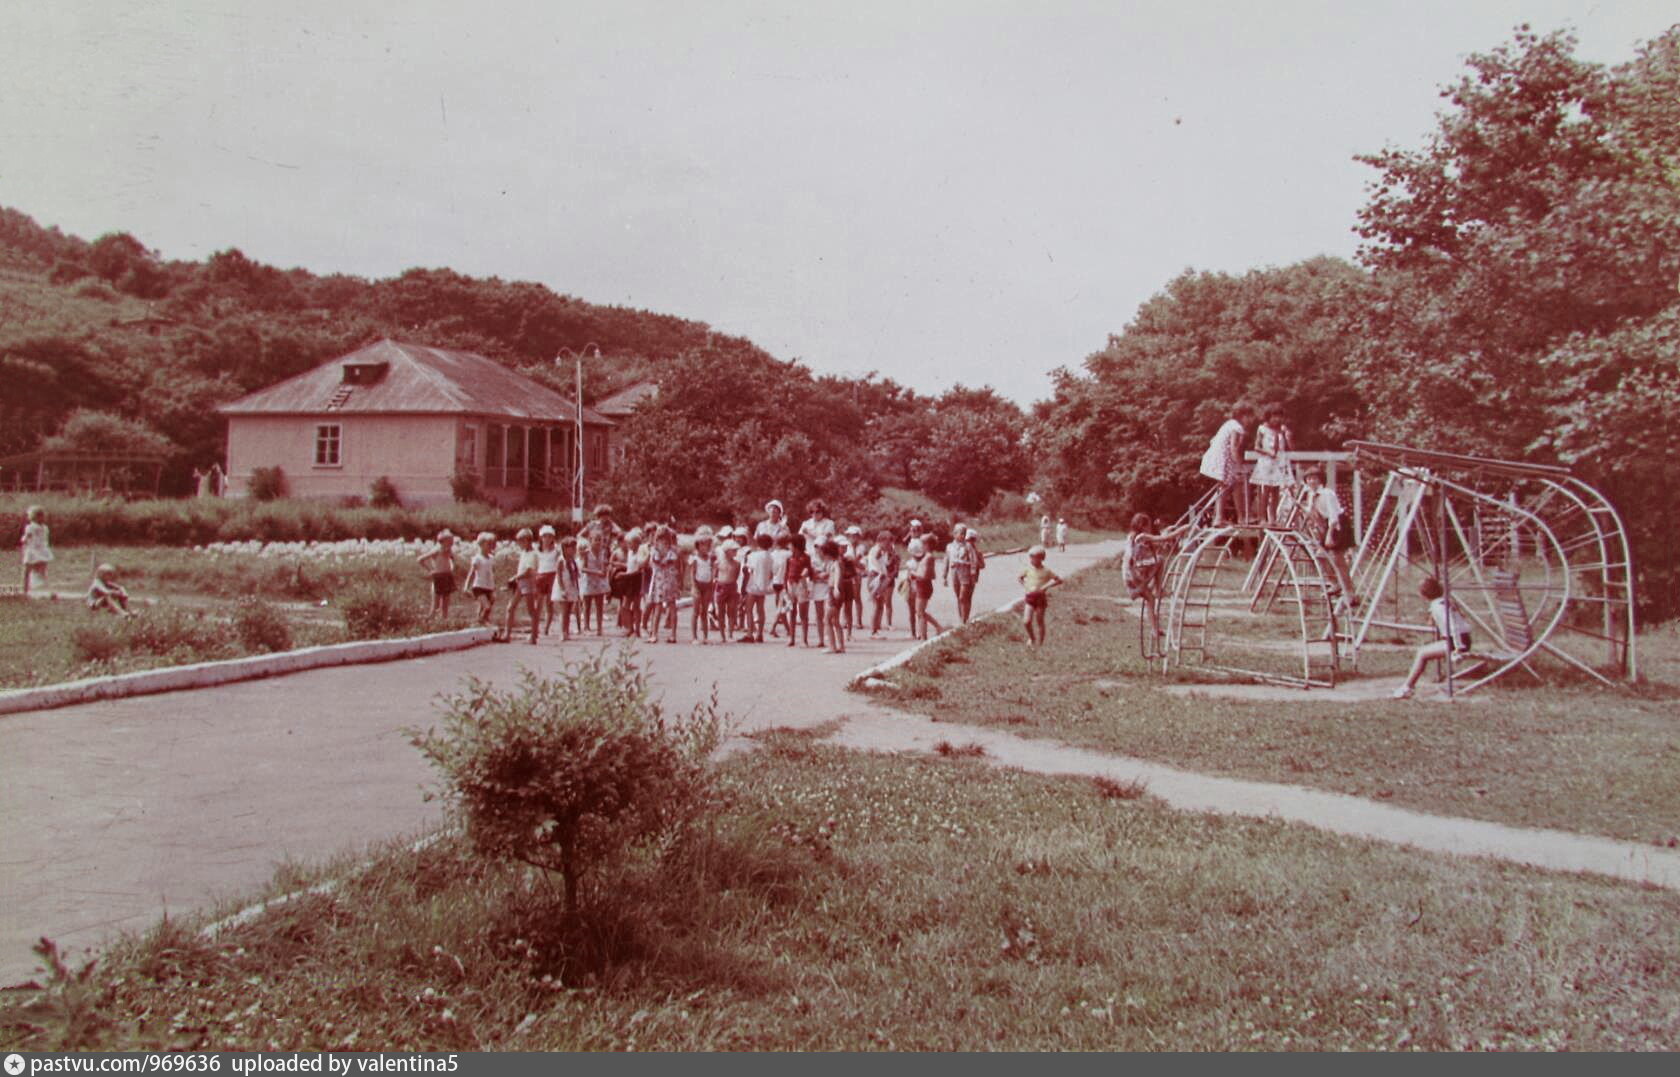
[(943, 192)]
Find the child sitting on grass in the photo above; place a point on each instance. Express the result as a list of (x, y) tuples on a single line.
[(1037, 580), (1453, 634), (105, 593)]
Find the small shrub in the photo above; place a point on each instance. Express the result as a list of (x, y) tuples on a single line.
[(96, 643), (260, 626), (464, 486), (176, 633), (959, 751), (568, 773), (372, 612), (267, 484), (383, 494), (1113, 790)]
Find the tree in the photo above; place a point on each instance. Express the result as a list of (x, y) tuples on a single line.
[(1129, 432), (1524, 264), (102, 431), (971, 449)]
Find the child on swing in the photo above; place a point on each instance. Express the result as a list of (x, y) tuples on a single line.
[(1453, 635)]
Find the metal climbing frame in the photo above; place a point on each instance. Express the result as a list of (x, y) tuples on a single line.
[(1503, 535), (1201, 579)]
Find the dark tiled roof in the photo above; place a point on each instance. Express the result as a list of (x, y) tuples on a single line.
[(627, 399), (418, 380)]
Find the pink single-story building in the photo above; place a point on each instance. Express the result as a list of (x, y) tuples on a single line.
[(417, 416)]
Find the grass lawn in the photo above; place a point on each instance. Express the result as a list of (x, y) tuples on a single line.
[(852, 901), (1568, 754), (196, 615)]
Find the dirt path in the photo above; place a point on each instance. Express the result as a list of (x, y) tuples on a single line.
[(112, 812)]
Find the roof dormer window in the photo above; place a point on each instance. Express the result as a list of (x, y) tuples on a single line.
[(364, 373)]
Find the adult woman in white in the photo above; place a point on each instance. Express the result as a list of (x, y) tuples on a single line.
[(1223, 462), (818, 527), (774, 523)]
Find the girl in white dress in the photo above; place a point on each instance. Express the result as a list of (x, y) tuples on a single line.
[(1223, 463), (36, 546), (1272, 472)]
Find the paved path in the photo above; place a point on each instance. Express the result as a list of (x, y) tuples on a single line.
[(112, 812)]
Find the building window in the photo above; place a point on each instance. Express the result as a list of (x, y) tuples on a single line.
[(328, 437)]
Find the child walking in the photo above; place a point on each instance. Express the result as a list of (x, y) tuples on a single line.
[(760, 573), (548, 566), (836, 596), (705, 574), (1037, 580), (36, 546), (481, 576), (524, 587), (664, 582), (798, 592), (920, 564), (566, 588), (439, 563)]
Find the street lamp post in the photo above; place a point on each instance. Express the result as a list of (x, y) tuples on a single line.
[(577, 478)]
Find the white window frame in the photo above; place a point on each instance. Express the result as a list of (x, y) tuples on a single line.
[(329, 436)]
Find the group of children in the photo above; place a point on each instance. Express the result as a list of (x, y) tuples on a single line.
[(746, 583)]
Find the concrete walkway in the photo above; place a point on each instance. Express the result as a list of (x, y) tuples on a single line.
[(113, 812)]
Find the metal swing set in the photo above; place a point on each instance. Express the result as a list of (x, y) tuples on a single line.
[(1536, 559)]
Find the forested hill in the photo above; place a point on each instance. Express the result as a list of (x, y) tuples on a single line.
[(109, 327)]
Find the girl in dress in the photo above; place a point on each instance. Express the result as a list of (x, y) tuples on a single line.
[(1272, 471), (36, 546), (1223, 463), (664, 581), (565, 589)]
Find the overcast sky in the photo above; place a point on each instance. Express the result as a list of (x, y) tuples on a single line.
[(941, 191)]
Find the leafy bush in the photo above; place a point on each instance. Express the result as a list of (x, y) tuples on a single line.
[(267, 484), (260, 626), (568, 773), (96, 643), (180, 635), (383, 494), (464, 486), (372, 612)]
